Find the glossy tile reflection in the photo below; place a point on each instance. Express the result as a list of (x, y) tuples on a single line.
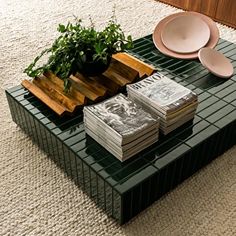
[(122, 190)]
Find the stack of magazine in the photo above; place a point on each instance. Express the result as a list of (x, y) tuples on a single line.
[(163, 97), (121, 126)]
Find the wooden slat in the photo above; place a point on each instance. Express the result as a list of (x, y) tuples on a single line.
[(209, 8), (56, 93), (140, 66), (123, 70), (226, 11), (49, 88), (60, 110), (176, 3), (111, 86), (222, 11), (74, 93), (115, 77), (92, 84), (84, 89), (194, 5)]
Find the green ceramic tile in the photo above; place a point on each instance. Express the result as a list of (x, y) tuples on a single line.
[(116, 205), (192, 131), (228, 48), (76, 139), (16, 94), (220, 113), (226, 91), (201, 136), (222, 45), (108, 199), (206, 103), (67, 161), (231, 52), (171, 156), (74, 130), (13, 89), (226, 119), (125, 189), (209, 110), (233, 57), (128, 183), (93, 185), (208, 81), (103, 162), (101, 192), (201, 97), (231, 97), (160, 150), (86, 175)]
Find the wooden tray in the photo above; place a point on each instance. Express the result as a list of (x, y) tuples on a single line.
[(124, 69)]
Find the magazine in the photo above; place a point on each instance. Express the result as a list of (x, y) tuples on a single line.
[(119, 153), (161, 92), (107, 133), (170, 118), (122, 116)]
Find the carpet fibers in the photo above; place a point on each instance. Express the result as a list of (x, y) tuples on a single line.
[(36, 198)]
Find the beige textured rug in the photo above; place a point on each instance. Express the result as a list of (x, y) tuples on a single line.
[(36, 198)]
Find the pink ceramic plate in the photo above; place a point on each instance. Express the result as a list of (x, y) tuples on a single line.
[(216, 62), (214, 35), (185, 34)]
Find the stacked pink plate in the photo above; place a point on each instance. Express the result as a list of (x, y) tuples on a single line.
[(184, 35)]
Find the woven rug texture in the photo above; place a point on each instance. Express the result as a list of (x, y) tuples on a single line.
[(36, 197)]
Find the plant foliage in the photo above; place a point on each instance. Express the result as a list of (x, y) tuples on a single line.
[(77, 44)]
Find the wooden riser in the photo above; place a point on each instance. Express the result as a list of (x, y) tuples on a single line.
[(124, 69)]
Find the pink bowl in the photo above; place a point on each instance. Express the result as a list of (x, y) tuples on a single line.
[(216, 62)]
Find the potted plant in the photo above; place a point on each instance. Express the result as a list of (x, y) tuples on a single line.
[(81, 49)]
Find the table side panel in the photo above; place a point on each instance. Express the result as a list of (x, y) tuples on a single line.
[(125, 189)]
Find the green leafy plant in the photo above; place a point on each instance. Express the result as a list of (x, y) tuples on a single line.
[(78, 45)]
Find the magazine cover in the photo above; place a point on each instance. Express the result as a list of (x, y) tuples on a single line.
[(162, 92), (122, 115)]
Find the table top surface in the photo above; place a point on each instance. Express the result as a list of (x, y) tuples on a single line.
[(217, 108)]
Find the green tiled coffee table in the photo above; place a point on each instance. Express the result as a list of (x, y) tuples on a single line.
[(125, 189)]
